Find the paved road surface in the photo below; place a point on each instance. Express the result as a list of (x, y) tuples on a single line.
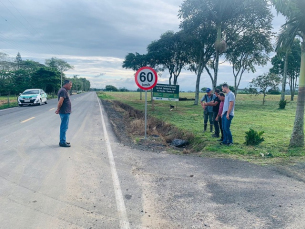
[(99, 183)]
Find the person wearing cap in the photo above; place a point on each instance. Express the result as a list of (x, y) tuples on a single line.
[(207, 110), (64, 110), (215, 104)]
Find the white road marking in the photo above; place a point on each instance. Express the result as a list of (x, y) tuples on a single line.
[(27, 120), (51, 109), (124, 223)]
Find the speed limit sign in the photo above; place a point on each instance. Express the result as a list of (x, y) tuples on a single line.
[(146, 78)]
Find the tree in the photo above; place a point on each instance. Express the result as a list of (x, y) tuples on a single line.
[(287, 62), (47, 79), (18, 60), (293, 10), (216, 14), (250, 49), (170, 53), (21, 81), (123, 89), (80, 84), (110, 88), (266, 81), (59, 65), (200, 42), (135, 61), (227, 19)]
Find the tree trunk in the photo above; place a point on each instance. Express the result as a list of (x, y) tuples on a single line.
[(297, 136), (291, 89), (199, 72), (284, 76), (175, 79), (235, 86), (214, 81)]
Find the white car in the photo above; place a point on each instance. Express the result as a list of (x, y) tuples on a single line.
[(32, 97)]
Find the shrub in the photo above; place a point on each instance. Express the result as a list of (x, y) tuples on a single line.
[(282, 104), (253, 137)]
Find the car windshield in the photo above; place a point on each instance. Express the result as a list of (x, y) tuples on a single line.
[(31, 92)]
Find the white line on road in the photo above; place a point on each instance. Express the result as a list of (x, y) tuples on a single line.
[(51, 109), (27, 120), (124, 223)]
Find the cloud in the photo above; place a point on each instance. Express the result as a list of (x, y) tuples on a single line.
[(95, 36)]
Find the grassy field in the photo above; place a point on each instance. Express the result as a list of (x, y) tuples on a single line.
[(4, 102), (249, 113)]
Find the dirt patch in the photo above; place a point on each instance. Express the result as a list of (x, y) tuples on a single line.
[(128, 125)]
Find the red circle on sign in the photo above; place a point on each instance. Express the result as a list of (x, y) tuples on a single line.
[(143, 70)]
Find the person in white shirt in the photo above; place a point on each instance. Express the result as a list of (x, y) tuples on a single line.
[(227, 115)]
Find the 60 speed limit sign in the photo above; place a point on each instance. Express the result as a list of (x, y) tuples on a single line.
[(146, 78)]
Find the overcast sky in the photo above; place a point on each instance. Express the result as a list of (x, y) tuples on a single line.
[(95, 36)]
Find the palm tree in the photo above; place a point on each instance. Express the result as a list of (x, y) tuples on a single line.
[(295, 27)]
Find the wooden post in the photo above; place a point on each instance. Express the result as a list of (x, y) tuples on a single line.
[(8, 99)]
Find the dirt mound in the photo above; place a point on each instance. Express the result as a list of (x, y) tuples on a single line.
[(128, 125)]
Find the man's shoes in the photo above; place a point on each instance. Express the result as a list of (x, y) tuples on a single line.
[(66, 144), (215, 136), (222, 143), (230, 144), (220, 140)]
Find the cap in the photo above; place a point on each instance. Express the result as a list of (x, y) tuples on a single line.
[(208, 90)]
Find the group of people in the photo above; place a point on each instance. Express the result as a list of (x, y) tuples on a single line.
[(218, 109)]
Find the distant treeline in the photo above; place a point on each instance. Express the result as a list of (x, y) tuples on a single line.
[(16, 75)]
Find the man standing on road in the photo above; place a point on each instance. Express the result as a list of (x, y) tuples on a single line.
[(227, 115), (215, 104), (64, 110), (207, 110)]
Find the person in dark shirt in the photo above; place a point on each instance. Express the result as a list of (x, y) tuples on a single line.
[(221, 97), (64, 110), (215, 104)]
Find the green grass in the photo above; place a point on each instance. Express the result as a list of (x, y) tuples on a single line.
[(4, 102), (249, 113)]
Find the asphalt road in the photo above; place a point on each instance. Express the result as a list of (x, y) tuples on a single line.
[(99, 183)]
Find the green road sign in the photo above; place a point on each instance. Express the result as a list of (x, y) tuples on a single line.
[(166, 92)]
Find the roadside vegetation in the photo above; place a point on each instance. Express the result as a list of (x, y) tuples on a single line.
[(8, 101), (250, 113)]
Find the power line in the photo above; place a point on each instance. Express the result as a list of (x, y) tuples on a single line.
[(30, 29)]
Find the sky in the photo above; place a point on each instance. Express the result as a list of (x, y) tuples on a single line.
[(95, 36)]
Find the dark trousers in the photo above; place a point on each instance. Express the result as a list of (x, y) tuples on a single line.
[(220, 126), (216, 126), (208, 116)]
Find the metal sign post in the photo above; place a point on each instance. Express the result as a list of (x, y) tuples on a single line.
[(145, 113), (146, 78)]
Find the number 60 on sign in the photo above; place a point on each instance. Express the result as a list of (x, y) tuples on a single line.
[(146, 78)]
